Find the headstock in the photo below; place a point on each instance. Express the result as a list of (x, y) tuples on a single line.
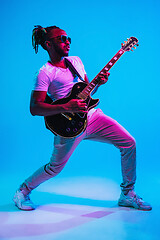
[(129, 44)]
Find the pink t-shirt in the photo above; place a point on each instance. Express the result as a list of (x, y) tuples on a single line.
[(58, 81)]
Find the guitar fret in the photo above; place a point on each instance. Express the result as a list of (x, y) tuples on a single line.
[(81, 95), (86, 89), (114, 60), (89, 90)]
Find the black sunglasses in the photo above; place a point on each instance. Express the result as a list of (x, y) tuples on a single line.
[(63, 38)]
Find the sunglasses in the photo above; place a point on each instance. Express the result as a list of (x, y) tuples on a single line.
[(63, 38)]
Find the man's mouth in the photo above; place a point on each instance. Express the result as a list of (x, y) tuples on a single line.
[(67, 48)]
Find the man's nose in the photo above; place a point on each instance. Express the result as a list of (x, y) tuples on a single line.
[(67, 42)]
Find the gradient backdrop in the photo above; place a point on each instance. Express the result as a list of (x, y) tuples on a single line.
[(131, 95)]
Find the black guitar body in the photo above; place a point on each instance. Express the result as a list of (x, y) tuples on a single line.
[(69, 125)]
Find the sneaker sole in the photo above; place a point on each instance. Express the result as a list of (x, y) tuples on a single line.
[(29, 209), (137, 208)]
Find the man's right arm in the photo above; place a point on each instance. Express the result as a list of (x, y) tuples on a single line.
[(40, 108)]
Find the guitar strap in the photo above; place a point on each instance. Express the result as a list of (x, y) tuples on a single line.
[(73, 70)]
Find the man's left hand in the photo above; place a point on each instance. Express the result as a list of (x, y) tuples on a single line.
[(103, 78)]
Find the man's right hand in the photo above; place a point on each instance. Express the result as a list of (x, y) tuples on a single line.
[(76, 105)]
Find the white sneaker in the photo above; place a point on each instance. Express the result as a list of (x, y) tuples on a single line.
[(133, 200), (23, 202)]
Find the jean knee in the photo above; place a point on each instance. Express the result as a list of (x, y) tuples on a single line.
[(132, 142), (54, 170)]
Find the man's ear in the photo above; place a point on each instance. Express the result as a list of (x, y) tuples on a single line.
[(48, 44)]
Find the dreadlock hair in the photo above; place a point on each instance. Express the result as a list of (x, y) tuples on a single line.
[(40, 35)]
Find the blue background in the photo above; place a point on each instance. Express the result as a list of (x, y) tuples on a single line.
[(131, 96)]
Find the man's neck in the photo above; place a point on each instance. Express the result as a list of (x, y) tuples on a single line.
[(58, 62)]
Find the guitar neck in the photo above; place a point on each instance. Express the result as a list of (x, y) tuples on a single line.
[(110, 64), (91, 86)]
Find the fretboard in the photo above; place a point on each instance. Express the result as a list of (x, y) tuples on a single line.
[(90, 87)]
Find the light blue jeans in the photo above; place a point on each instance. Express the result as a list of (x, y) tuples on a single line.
[(99, 128)]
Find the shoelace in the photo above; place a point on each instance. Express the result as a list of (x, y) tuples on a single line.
[(27, 198), (138, 199)]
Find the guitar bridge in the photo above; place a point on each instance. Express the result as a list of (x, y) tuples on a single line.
[(67, 116)]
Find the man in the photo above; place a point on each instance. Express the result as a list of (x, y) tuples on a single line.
[(56, 79)]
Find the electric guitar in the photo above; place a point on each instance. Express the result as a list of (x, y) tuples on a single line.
[(69, 125)]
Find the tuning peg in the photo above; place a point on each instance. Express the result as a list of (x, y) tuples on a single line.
[(137, 44), (122, 44), (134, 47)]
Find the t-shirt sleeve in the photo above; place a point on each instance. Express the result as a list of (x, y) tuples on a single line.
[(41, 81)]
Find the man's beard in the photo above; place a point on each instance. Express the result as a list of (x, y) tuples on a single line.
[(60, 51)]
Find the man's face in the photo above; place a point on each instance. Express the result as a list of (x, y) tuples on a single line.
[(61, 47)]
